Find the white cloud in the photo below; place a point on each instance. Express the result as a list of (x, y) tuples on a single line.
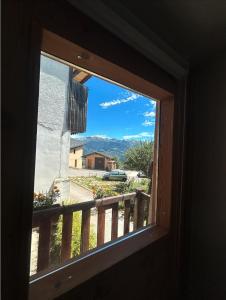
[(103, 136), (149, 114), (137, 136), (79, 136), (131, 97), (153, 102), (148, 123)]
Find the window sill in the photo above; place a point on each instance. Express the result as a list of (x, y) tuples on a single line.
[(52, 283)]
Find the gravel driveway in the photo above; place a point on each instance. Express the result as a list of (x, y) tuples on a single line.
[(87, 173), (79, 194)]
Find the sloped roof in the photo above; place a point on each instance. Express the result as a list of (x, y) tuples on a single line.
[(102, 154), (75, 144)]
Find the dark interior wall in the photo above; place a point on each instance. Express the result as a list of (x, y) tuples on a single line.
[(19, 108), (146, 274), (206, 201)]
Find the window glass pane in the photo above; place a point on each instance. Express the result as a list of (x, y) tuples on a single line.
[(89, 130)]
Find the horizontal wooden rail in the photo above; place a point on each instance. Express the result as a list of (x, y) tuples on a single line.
[(64, 208), (134, 205), (115, 199)]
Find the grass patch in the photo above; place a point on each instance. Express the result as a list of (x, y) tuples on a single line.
[(93, 182), (101, 188)]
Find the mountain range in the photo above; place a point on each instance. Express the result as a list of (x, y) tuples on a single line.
[(111, 147)]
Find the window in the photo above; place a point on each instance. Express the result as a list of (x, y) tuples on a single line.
[(114, 173), (150, 216)]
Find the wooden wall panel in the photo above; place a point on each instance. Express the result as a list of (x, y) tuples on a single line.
[(204, 247)]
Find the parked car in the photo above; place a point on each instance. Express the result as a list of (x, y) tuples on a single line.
[(115, 175), (141, 174)]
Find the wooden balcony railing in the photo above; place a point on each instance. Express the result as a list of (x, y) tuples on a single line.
[(135, 204)]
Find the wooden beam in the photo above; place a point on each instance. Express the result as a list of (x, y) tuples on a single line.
[(82, 77)]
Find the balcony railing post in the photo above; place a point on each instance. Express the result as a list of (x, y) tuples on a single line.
[(66, 236), (139, 210), (44, 244), (100, 225), (114, 222), (127, 217), (85, 231)]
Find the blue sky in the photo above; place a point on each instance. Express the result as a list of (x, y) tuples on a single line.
[(116, 112)]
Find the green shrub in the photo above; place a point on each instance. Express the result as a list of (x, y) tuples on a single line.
[(46, 200), (131, 186), (122, 187), (102, 192)]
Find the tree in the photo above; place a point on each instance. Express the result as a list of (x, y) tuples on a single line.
[(139, 157), (119, 163)]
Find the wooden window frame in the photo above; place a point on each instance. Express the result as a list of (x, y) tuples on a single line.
[(54, 282)]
